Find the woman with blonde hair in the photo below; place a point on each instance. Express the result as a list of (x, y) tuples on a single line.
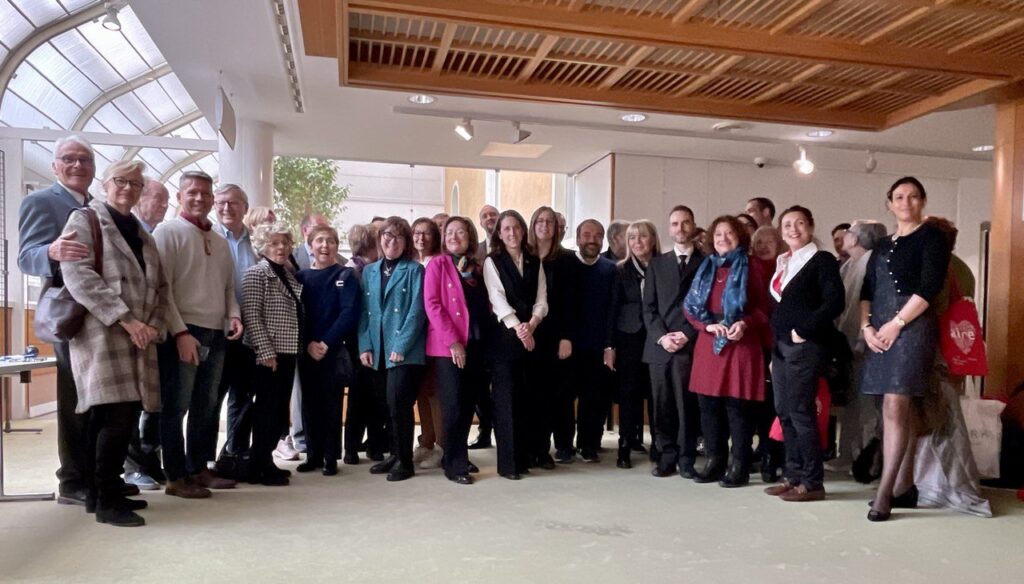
[(257, 216)]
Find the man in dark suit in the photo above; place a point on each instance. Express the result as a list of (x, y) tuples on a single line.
[(41, 219), (669, 348), (488, 219), (484, 409)]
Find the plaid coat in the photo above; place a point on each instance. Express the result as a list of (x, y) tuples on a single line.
[(106, 366), (269, 313)]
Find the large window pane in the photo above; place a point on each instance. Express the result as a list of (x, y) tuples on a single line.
[(156, 100), (81, 53), (115, 121), (14, 111), (115, 48), (62, 74), (133, 109), (13, 26), (136, 34), (177, 92), (40, 12)]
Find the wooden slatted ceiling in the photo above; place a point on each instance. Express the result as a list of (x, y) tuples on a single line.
[(864, 64)]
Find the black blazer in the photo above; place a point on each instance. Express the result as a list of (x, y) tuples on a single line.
[(812, 301), (663, 303), (563, 307), (627, 304)]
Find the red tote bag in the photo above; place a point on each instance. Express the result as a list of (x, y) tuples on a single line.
[(961, 340)]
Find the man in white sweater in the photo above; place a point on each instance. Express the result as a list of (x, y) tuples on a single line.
[(199, 271)]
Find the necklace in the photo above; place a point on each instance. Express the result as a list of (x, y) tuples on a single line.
[(896, 236), (388, 269), (722, 279)]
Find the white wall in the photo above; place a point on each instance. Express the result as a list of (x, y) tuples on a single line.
[(591, 196), (389, 189), (647, 187)]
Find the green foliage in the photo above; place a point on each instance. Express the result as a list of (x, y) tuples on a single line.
[(304, 186)]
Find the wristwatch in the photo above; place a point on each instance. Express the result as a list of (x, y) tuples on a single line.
[(899, 321)]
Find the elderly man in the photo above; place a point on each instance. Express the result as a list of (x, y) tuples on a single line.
[(41, 219), (616, 251), (142, 466), (152, 205), (488, 220), (230, 203), (762, 209), (200, 279)]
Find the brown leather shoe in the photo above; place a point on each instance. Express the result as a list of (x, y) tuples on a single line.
[(801, 495), (207, 479), (779, 489), (185, 490)]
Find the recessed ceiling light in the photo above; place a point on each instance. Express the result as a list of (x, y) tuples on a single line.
[(635, 118), (820, 133), (422, 99), (731, 127), (984, 148)]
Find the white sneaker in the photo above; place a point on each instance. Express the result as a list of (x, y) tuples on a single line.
[(420, 453), (141, 480), (433, 459), (284, 451)]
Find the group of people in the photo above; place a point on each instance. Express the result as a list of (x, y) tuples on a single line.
[(719, 335)]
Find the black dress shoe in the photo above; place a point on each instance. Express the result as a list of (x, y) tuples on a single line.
[(653, 453), (274, 480), (713, 472), (129, 490), (473, 469), (330, 468), (512, 476), (385, 466), (77, 497), (123, 502), (351, 458), (623, 460), (737, 476), (638, 447), (545, 462), (480, 443), (274, 470), (119, 517), (879, 516), (662, 472), (374, 455), (400, 474), (589, 456), (310, 466), (687, 470), (462, 479), (565, 456)]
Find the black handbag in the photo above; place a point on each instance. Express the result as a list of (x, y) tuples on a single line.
[(59, 316)]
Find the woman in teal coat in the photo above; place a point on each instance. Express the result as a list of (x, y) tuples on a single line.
[(392, 337)]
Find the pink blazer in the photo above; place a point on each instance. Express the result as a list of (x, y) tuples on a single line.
[(445, 304)]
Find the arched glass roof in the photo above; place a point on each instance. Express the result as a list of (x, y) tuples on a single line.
[(76, 75)]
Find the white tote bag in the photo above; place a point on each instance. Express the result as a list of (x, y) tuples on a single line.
[(986, 432)]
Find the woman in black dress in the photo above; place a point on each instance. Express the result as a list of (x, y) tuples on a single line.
[(901, 331)]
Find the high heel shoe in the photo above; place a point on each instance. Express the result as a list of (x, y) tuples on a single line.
[(879, 516), (908, 500)]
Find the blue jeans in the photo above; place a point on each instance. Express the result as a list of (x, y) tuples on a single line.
[(186, 388)]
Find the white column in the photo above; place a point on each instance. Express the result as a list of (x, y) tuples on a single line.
[(251, 163), (14, 188)]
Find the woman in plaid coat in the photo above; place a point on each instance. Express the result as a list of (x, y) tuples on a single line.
[(113, 358)]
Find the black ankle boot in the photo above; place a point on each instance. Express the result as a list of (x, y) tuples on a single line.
[(623, 460), (713, 471), (738, 475)]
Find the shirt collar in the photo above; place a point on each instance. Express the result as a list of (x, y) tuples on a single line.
[(584, 260), (82, 198), (685, 249), (804, 253), (228, 234)]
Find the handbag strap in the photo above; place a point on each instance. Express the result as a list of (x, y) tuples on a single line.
[(97, 237)]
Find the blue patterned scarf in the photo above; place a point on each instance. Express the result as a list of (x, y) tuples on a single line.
[(734, 297)]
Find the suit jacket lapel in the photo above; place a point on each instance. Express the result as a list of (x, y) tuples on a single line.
[(61, 191), (400, 267)]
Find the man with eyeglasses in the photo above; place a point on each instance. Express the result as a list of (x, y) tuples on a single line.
[(41, 219), (231, 203), (201, 289)]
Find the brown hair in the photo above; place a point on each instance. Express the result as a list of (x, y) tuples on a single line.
[(497, 245), (948, 229), (531, 236), (474, 239), (737, 227), (318, 229), (435, 236), (404, 231)]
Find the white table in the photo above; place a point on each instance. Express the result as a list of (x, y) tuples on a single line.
[(22, 367)]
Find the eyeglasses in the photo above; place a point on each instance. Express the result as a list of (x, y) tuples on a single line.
[(421, 234), (389, 237), (222, 204), (456, 233), (121, 183), (83, 160)]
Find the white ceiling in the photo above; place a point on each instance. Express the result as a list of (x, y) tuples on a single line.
[(235, 43)]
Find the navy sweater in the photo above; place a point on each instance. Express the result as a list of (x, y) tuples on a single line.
[(594, 287), (332, 304)]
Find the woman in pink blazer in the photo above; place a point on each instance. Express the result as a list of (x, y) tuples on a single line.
[(458, 313)]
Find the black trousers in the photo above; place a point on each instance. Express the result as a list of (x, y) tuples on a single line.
[(483, 403), (676, 410), (109, 430), (545, 400), (456, 389), (592, 381), (795, 372), (144, 445), (509, 385), (400, 384), (72, 428), (366, 413), (722, 418), (236, 384), (765, 414), (322, 396), (273, 391), (634, 385)]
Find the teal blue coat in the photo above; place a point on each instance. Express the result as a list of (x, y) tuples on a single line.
[(398, 313)]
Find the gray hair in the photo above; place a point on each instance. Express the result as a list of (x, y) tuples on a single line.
[(126, 166), (193, 175), (868, 233), (615, 228), (229, 187), (263, 234), (72, 139)]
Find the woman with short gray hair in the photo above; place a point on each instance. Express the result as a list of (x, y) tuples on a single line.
[(272, 314)]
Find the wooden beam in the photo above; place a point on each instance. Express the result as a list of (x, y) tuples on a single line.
[(989, 34), (691, 8), (317, 20), (442, 50), (799, 15), (703, 80), (538, 57), (797, 80), (370, 76), (905, 20), (658, 32), (618, 73), (862, 92), (958, 93), (343, 49), (576, 5)]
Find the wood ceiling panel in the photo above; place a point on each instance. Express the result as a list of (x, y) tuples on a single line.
[(843, 63)]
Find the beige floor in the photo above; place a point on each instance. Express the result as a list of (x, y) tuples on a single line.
[(581, 523)]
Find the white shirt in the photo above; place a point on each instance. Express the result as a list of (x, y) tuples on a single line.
[(584, 260), (681, 250), (499, 302), (790, 263), (77, 195)]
